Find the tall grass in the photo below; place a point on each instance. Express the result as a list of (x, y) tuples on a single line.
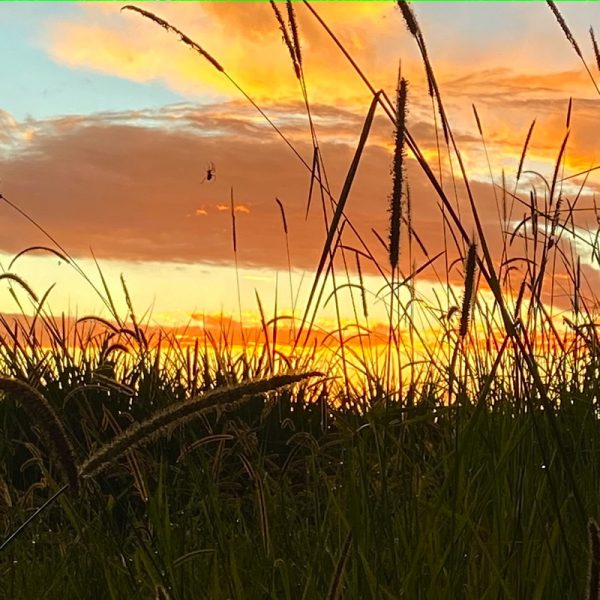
[(460, 461)]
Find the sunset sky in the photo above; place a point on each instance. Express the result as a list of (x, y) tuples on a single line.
[(108, 123)]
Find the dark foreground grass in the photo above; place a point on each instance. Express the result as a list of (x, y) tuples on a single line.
[(475, 476), (290, 497)]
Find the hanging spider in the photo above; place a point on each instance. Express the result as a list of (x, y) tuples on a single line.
[(211, 172)]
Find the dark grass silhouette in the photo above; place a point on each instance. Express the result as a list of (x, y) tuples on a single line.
[(468, 470)]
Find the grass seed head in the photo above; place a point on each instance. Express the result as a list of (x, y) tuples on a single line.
[(41, 413), (397, 174), (469, 290), (595, 47), (564, 27)]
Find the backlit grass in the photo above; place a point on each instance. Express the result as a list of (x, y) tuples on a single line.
[(459, 459)]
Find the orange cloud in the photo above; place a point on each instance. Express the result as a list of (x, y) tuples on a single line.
[(244, 38), (137, 209), (241, 208)]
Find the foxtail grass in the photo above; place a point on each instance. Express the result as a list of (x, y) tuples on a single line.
[(469, 290), (595, 48), (571, 39), (176, 415), (290, 45), (397, 175), (294, 29), (182, 36), (365, 493), (563, 25), (41, 413)]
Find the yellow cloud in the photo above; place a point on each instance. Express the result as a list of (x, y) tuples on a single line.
[(244, 38)]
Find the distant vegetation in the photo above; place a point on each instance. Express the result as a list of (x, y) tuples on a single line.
[(144, 468)]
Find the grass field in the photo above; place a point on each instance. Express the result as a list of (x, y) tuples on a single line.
[(463, 467)]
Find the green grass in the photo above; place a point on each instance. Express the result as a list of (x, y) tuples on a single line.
[(439, 502), (473, 476)]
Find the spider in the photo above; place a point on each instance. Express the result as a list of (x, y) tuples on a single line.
[(211, 172)]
